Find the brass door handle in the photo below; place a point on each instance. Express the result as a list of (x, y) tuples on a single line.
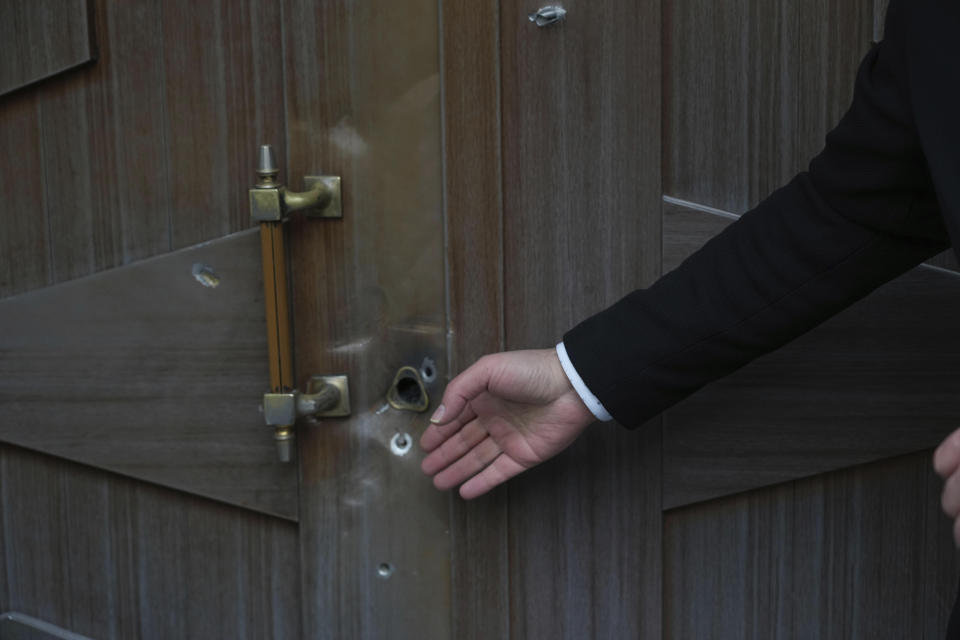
[(326, 397), (270, 204), (270, 201)]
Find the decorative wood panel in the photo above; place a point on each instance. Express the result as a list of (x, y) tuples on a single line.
[(474, 208), (750, 90), (872, 382), (41, 38), (581, 159), (363, 102), (149, 149), (24, 254), (858, 553), (112, 558), (148, 371)]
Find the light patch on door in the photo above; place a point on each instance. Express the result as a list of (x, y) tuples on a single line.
[(205, 275)]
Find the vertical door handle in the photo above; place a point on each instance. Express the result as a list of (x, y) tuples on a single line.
[(270, 204)]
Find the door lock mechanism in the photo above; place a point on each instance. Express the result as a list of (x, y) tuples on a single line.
[(326, 397)]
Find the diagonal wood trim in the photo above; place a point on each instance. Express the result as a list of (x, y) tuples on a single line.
[(43, 38), (111, 557), (858, 553), (875, 381), (154, 370)]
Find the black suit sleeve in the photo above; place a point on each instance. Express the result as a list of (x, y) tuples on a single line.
[(863, 213)]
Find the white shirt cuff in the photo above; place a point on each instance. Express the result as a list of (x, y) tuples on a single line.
[(596, 408)]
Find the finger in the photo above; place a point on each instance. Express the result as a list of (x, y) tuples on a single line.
[(950, 501), (436, 434), (470, 463), (497, 472), (462, 389), (457, 445), (946, 458)]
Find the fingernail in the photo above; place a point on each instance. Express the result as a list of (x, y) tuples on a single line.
[(438, 414)]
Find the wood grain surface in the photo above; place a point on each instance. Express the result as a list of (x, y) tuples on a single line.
[(859, 553), (581, 158), (146, 371), (872, 382), (42, 38), (149, 149), (24, 252), (470, 43), (112, 558), (751, 88)]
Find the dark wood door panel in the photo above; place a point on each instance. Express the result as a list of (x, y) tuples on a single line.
[(41, 38), (581, 228), (113, 558), (872, 382), (470, 88), (751, 88), (148, 150), (859, 553), (155, 370)]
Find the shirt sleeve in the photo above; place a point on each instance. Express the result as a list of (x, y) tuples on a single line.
[(863, 213), (596, 407)]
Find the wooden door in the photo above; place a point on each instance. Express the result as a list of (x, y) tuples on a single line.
[(142, 496), (794, 499), (502, 181)]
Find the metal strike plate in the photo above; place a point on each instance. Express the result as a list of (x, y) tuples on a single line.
[(342, 408), (407, 391), (334, 208), (280, 409)]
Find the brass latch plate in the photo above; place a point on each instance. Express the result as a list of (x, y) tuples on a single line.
[(342, 407)]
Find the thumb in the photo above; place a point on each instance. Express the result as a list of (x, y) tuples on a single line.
[(462, 389)]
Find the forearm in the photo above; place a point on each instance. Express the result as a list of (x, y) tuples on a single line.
[(785, 267)]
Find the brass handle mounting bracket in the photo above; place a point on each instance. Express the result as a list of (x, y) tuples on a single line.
[(270, 201), (326, 397)]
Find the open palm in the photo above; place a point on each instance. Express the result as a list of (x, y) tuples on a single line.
[(506, 413)]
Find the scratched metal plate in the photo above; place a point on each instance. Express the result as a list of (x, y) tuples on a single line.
[(369, 299)]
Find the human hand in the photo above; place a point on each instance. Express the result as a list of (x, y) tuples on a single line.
[(946, 462), (504, 414)]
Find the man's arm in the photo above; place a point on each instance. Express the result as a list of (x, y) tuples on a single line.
[(863, 214)]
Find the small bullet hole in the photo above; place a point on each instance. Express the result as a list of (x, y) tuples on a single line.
[(385, 570), (400, 444), (428, 370)]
